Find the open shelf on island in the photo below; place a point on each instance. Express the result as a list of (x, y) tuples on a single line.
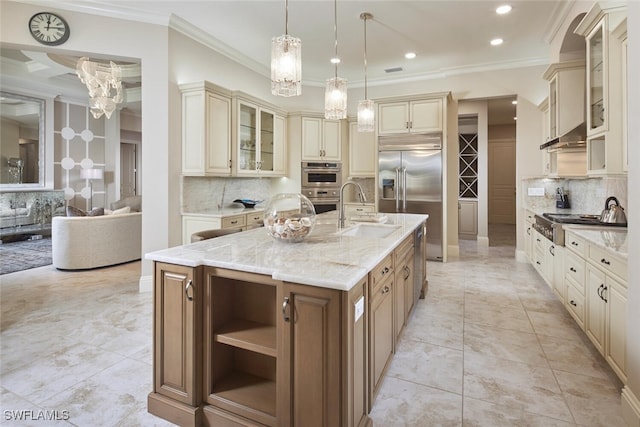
[(247, 390), (249, 335)]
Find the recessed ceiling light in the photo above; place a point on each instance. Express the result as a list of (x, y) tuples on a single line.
[(515, 118), (410, 55), (335, 60), (496, 42), (505, 8), (514, 102)]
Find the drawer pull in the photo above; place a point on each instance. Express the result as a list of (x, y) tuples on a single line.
[(384, 271), (538, 262), (574, 244), (234, 222), (573, 303), (573, 269), (386, 290), (537, 240), (604, 261), (285, 304), (186, 290)]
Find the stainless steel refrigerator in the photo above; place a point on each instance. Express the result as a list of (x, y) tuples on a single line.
[(410, 181)]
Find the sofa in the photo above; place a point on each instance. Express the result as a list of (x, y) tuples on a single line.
[(85, 242), (13, 214)]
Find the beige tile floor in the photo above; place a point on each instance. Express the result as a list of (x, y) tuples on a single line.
[(489, 346)]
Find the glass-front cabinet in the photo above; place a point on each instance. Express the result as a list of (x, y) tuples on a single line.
[(604, 28), (597, 89), (260, 141)]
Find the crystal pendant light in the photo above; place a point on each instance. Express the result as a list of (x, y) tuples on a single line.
[(366, 113), (335, 94), (286, 62)]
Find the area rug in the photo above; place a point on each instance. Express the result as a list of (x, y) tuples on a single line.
[(23, 255)]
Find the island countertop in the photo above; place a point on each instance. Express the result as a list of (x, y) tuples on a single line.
[(326, 258)]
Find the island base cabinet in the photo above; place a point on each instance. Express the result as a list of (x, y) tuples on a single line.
[(177, 344), (381, 335), (310, 377)]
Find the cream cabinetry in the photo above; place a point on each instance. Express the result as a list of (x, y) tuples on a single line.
[(362, 152), (548, 259), (321, 139), (206, 130), (468, 218), (604, 29), (413, 116), (566, 96), (529, 220), (195, 223), (354, 209), (260, 140), (596, 286)]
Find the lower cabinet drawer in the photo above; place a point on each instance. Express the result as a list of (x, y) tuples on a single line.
[(383, 270), (234, 221), (575, 302), (575, 243), (608, 262), (574, 268)]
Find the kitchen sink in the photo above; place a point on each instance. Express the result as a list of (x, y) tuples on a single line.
[(374, 231)]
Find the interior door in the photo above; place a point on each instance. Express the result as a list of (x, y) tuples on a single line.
[(128, 169), (502, 182)]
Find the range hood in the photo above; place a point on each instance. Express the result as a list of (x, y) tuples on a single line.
[(575, 138)]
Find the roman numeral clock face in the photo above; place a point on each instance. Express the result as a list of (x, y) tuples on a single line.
[(48, 28)]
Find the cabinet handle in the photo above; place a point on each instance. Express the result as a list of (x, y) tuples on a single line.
[(604, 261), (574, 244), (234, 222), (552, 250), (573, 303), (529, 231), (386, 290), (537, 240), (602, 294), (573, 269), (384, 271), (406, 125), (538, 262), (285, 303), (186, 290), (410, 124), (229, 162), (408, 271)]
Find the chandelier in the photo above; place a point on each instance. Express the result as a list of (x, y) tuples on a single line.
[(366, 113), (104, 84), (286, 62), (335, 94)]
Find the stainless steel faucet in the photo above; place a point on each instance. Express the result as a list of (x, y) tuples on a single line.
[(341, 215)]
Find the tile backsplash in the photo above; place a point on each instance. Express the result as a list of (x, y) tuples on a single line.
[(586, 196)]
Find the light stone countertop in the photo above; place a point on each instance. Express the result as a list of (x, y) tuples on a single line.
[(612, 239), (325, 258)]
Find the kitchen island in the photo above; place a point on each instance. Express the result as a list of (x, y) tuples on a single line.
[(253, 331)]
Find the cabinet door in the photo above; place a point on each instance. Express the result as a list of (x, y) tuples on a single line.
[(266, 141), (218, 134), (247, 137), (381, 336), (279, 146), (177, 334), (310, 365), (617, 326), (596, 74), (311, 138), (426, 116), (393, 118), (596, 316), (362, 152), (194, 224), (332, 140), (400, 297), (468, 217)]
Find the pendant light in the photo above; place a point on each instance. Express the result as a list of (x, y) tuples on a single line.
[(335, 94), (366, 112), (286, 62)]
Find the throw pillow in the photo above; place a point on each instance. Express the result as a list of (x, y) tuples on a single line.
[(121, 211), (96, 212), (134, 202), (73, 211)]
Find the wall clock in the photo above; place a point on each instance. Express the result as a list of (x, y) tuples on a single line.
[(49, 29)]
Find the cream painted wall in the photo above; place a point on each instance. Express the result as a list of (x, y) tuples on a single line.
[(633, 296)]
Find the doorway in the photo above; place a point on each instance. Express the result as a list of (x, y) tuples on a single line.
[(128, 169)]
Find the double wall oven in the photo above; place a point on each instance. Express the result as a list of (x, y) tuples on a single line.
[(321, 183)]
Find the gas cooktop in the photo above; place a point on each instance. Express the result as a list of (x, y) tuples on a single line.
[(578, 219)]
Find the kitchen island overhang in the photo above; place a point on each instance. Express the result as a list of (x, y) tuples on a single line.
[(250, 331)]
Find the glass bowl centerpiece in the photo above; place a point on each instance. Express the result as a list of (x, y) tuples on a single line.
[(289, 217)]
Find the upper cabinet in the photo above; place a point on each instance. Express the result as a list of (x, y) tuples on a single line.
[(206, 130), (566, 96), (605, 32), (415, 116), (260, 140), (228, 133), (362, 152), (321, 139)]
